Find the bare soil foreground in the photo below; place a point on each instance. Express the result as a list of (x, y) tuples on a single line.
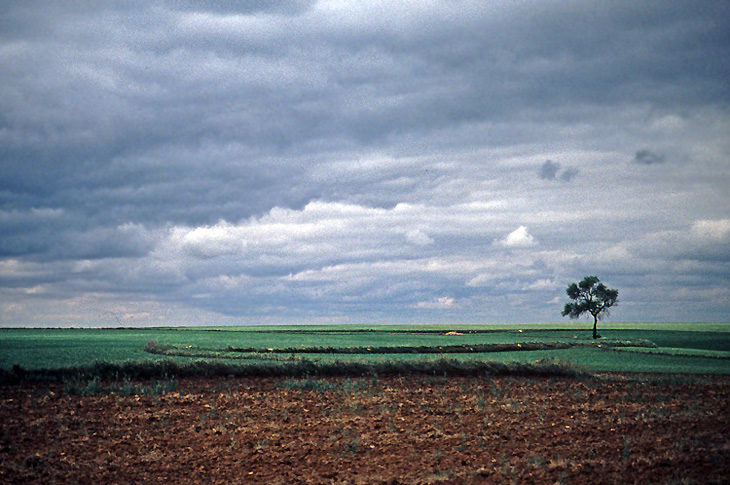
[(605, 429)]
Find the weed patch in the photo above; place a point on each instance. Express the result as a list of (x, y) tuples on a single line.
[(171, 369), (309, 385), (94, 387)]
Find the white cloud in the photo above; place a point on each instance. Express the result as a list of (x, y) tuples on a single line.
[(212, 241), (519, 238), (542, 284), (712, 230), (418, 237), (439, 303), (483, 279)]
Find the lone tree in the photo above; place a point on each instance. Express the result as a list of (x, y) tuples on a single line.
[(590, 296)]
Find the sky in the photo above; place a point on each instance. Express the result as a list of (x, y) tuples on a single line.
[(366, 162)]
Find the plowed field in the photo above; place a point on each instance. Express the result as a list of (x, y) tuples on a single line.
[(607, 429)]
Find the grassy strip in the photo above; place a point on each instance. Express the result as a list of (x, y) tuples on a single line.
[(170, 369), (254, 353), (677, 352)]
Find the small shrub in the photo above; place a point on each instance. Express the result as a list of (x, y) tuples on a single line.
[(128, 389), (90, 388), (162, 387), (152, 347)]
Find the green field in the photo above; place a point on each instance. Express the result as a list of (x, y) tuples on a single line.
[(675, 347)]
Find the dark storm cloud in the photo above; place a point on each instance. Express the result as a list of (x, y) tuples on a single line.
[(293, 93), (54, 234)]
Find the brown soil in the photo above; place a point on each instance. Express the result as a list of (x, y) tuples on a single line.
[(609, 429)]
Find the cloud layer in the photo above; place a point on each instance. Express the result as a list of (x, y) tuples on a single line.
[(325, 161)]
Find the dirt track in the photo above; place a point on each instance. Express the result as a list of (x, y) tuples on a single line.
[(389, 430)]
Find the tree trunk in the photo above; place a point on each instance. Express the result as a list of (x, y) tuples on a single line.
[(595, 327)]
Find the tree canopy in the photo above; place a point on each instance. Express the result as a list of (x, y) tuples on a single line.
[(590, 296)]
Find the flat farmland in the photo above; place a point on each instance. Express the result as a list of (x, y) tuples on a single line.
[(646, 403), (672, 348), (375, 430)]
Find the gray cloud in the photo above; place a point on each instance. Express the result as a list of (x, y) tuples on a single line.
[(568, 174), (551, 171), (647, 157)]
